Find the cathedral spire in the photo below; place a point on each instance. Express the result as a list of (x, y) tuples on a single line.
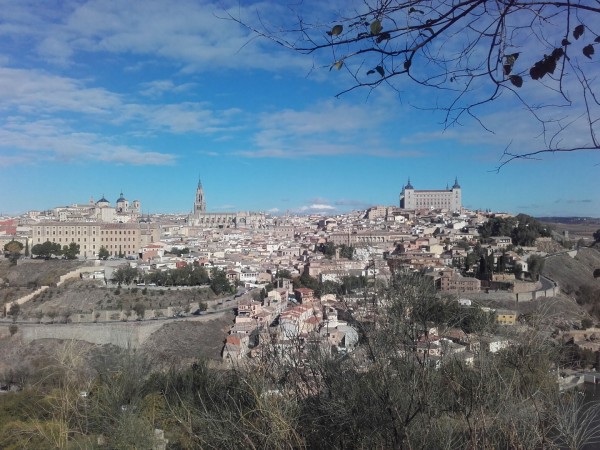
[(456, 185), (200, 202)]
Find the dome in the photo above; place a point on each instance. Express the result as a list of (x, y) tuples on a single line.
[(456, 185), (102, 200), (408, 185), (121, 199)]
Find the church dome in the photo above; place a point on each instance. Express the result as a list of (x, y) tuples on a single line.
[(408, 185), (121, 199), (102, 200)]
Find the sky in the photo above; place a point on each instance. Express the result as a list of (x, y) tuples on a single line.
[(145, 98)]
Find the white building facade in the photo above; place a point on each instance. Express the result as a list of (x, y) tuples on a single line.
[(450, 199)]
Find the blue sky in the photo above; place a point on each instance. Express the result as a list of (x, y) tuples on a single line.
[(144, 97)]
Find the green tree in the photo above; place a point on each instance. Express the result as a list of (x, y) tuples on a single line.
[(596, 236), (139, 310), (219, 282), (14, 310), (475, 320), (103, 253), (463, 244), (346, 251), (12, 250), (71, 251), (330, 287), (351, 283), (179, 251), (328, 249), (501, 264), (535, 264), (471, 260), (13, 247), (284, 273), (305, 280), (47, 249), (198, 276)]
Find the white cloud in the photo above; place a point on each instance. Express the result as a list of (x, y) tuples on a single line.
[(328, 128), (34, 91), (315, 207), (157, 88), (190, 33), (53, 140)]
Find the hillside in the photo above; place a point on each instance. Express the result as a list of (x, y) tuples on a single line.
[(83, 296), (19, 280), (181, 343), (573, 273)]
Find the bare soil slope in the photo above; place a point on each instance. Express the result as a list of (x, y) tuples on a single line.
[(21, 279), (184, 342), (573, 273)]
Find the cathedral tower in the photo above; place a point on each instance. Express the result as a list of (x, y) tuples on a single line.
[(200, 203)]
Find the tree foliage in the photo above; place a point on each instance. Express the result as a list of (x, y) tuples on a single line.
[(179, 251), (103, 253), (47, 250), (13, 247), (126, 275), (219, 282), (12, 250), (538, 56), (189, 275), (392, 393), (71, 251), (284, 273), (522, 229), (535, 264)]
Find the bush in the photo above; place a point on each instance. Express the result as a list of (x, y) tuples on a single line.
[(13, 329), (586, 323)]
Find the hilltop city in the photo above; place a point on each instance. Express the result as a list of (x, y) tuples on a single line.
[(301, 273), (291, 307)]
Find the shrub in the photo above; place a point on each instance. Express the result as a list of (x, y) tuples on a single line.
[(586, 323), (13, 329)]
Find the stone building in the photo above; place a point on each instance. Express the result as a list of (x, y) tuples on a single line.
[(118, 238), (452, 281), (100, 211), (450, 199), (202, 219)]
